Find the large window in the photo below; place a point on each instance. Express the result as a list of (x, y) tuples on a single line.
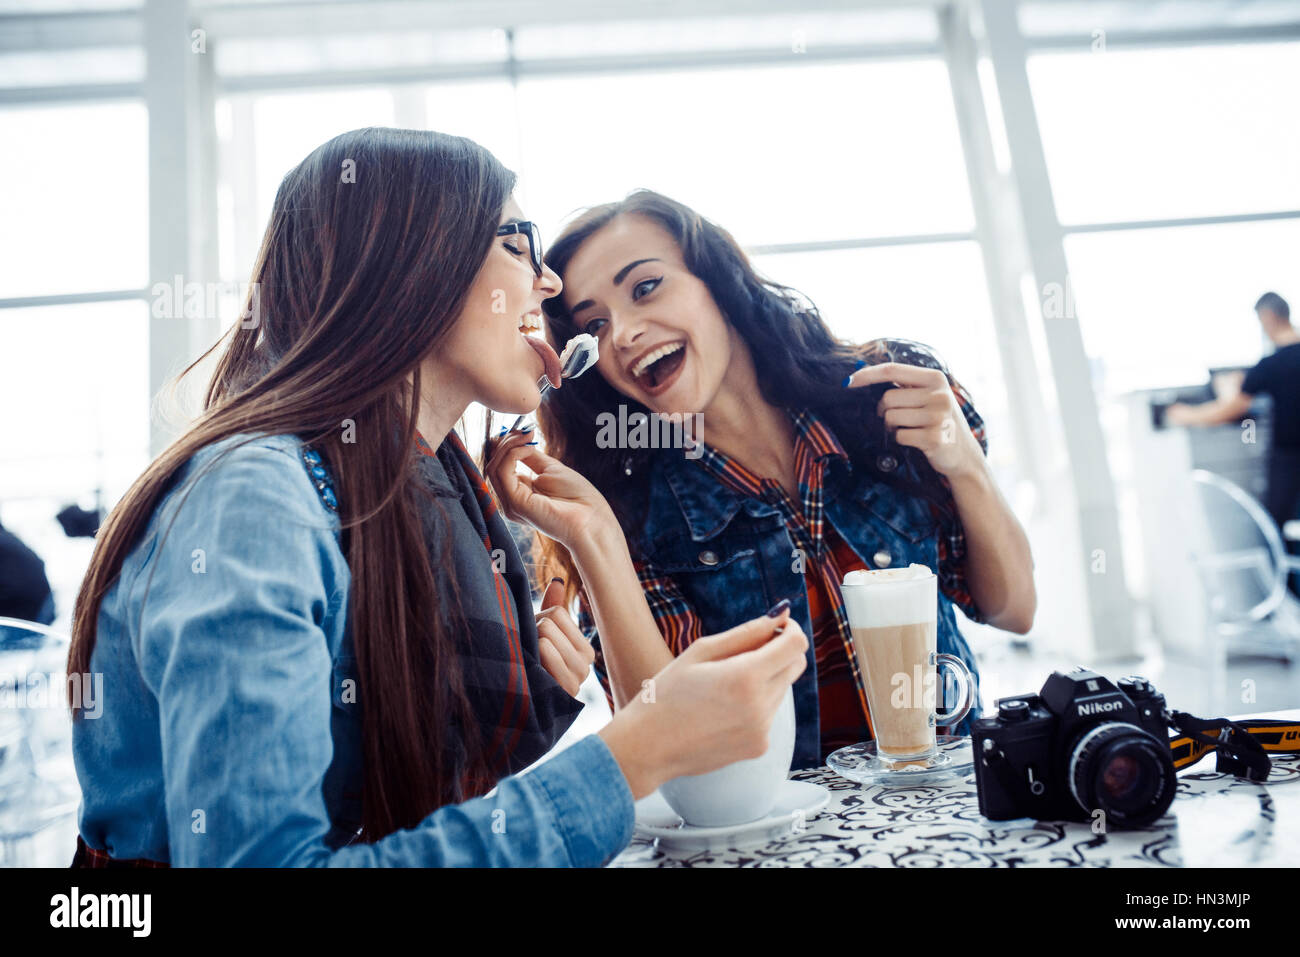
[(74, 353), (1159, 307), (776, 155), (1166, 135), (932, 292), (1151, 134), (75, 192)]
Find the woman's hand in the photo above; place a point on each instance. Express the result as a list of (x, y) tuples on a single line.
[(555, 500), (1179, 414), (565, 654), (922, 411), (711, 705)]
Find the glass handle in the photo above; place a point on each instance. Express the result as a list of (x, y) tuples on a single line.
[(956, 716)]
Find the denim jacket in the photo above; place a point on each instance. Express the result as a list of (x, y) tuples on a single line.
[(224, 738), (730, 555)]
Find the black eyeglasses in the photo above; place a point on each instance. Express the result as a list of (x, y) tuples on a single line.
[(528, 229)]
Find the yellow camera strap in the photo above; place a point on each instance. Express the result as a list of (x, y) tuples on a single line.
[(1241, 747)]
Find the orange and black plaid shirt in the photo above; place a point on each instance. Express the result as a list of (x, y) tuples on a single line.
[(842, 704)]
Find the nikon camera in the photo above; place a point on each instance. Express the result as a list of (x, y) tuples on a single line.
[(1078, 746)]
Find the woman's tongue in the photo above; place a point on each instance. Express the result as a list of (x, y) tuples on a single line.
[(550, 361)]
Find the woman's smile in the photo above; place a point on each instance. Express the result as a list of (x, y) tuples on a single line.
[(657, 369)]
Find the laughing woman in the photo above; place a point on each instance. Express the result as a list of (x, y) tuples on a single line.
[(314, 629), (811, 465)]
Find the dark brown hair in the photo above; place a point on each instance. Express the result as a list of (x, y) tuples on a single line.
[(373, 244), (799, 362)]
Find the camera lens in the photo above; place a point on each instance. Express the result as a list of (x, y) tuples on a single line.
[(1124, 771)]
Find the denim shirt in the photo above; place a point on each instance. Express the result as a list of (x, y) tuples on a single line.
[(730, 555), (224, 738)]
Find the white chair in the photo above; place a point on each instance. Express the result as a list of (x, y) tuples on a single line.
[(1243, 565)]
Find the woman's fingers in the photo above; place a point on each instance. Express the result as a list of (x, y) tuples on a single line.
[(553, 597), (511, 487), (503, 445), (791, 672), (912, 418), (900, 373), (574, 662), (553, 662), (784, 652), (744, 637), (904, 398), (561, 618)]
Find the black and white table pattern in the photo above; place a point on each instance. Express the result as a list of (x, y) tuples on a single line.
[(1216, 820)]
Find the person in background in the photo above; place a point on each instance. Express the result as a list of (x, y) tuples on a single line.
[(24, 589), (1278, 375)]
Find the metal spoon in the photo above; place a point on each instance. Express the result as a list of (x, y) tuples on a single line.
[(580, 354)]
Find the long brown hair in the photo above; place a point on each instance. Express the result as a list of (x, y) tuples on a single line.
[(373, 244), (799, 362)]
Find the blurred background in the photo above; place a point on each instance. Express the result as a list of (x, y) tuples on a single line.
[(1077, 204)]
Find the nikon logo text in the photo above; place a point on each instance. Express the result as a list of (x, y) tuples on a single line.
[(1098, 707)]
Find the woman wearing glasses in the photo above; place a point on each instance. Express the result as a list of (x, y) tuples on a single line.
[(314, 627), (817, 457)]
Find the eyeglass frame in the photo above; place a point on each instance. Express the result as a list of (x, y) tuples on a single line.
[(534, 239)]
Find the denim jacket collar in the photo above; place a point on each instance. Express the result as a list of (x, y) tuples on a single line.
[(706, 504)]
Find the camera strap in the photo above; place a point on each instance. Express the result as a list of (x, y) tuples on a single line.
[(1241, 747)]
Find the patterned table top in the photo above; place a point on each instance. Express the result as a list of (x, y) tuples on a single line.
[(1216, 820)]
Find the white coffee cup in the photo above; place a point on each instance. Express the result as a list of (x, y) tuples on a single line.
[(739, 792)]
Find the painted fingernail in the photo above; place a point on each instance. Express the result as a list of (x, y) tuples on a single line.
[(775, 610), (530, 443), (527, 428), (557, 578), (860, 364), (847, 380), (503, 431)]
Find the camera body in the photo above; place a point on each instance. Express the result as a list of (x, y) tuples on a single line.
[(1078, 746)]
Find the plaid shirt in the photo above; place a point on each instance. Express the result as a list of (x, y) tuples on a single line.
[(842, 703), (524, 709)]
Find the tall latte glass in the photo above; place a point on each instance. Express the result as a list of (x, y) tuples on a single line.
[(892, 613)]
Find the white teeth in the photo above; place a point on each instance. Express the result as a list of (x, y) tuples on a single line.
[(530, 323), (653, 357)]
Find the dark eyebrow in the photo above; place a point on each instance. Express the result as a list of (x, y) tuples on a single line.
[(618, 279), (622, 273)]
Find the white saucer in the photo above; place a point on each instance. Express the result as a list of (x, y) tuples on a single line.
[(859, 763), (797, 802)]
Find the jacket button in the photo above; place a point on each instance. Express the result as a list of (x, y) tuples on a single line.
[(709, 558), (886, 463), (882, 558)]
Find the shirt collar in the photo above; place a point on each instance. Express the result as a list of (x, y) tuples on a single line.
[(707, 501), (431, 467), (813, 442)]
